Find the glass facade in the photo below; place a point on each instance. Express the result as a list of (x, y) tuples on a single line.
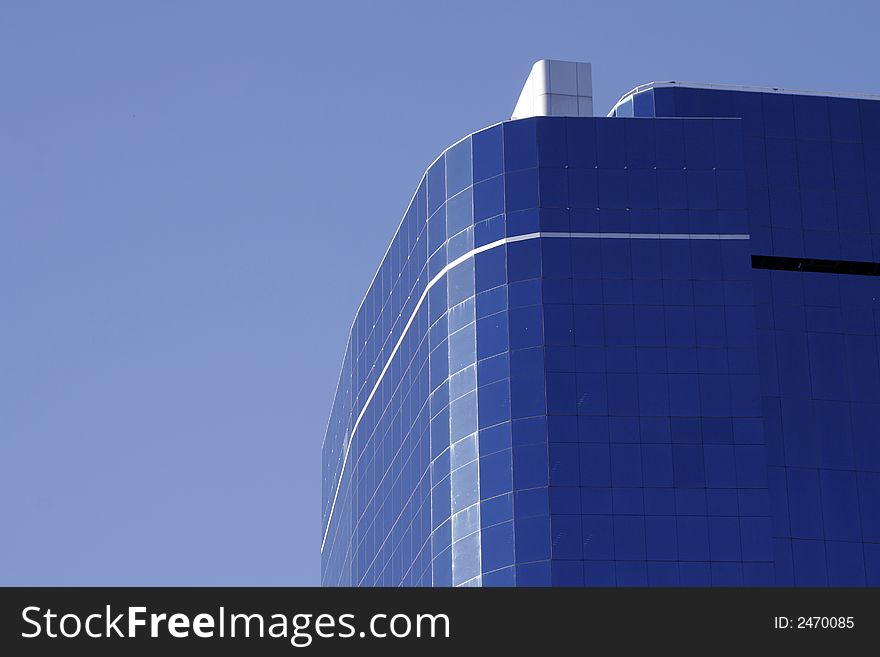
[(622, 351)]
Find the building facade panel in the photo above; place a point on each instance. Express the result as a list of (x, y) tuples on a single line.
[(812, 187)]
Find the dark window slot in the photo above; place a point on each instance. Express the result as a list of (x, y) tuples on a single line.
[(851, 267)]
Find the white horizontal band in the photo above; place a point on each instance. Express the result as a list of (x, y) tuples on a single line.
[(470, 254)]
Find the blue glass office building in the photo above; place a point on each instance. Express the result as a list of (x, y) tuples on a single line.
[(638, 350)]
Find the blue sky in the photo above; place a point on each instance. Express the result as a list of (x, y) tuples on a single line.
[(193, 198)]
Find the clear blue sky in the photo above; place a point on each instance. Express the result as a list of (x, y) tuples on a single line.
[(193, 198)]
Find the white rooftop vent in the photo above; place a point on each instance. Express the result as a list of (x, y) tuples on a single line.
[(556, 88)]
